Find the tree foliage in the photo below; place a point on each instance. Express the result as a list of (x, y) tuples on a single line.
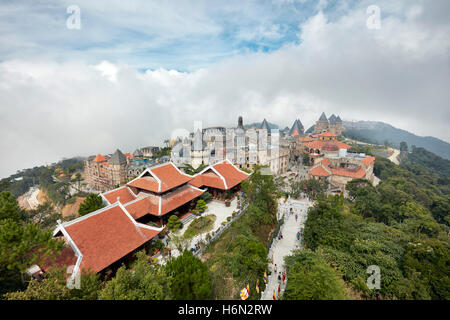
[(190, 277), (92, 203), (142, 281), (312, 278)]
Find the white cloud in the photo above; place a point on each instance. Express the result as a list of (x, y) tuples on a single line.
[(52, 108)]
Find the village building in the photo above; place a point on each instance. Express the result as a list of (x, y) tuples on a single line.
[(333, 124), (241, 146), (341, 168), (106, 172)]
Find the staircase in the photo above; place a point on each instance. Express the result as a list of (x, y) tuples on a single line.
[(187, 218)]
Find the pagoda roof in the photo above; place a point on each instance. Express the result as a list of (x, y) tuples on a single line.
[(223, 175), (103, 237), (159, 205), (161, 178), (124, 193)]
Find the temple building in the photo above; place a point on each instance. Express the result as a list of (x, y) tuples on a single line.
[(220, 178), (98, 241), (155, 193)]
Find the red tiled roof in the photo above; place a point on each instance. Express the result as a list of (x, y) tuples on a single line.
[(169, 202), (330, 146), (65, 258), (106, 237), (128, 155), (99, 158), (319, 171), (177, 198), (209, 179), (168, 174), (356, 173), (342, 145), (232, 175), (124, 193), (295, 133), (325, 162), (144, 206), (146, 183), (327, 134), (318, 144), (368, 160)]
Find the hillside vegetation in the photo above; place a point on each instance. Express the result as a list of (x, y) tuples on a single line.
[(382, 133), (401, 226)]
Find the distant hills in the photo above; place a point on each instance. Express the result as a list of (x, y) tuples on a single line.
[(258, 125), (380, 132)]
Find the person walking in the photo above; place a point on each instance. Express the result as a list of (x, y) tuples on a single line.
[(284, 276)]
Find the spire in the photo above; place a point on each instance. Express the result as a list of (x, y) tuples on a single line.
[(240, 122), (265, 125), (338, 119), (323, 117), (297, 128), (332, 118), (117, 158)]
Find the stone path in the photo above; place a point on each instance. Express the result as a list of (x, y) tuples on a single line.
[(216, 208), (285, 246)]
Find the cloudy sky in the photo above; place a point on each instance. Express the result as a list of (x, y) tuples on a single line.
[(135, 71)]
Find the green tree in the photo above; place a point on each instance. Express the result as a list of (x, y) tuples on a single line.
[(312, 278), (190, 277), (142, 281), (174, 223), (9, 207), (201, 206), (92, 203), (20, 246), (54, 287), (403, 146), (189, 169)]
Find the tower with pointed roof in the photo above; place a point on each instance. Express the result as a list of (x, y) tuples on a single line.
[(297, 128), (265, 125), (322, 124)]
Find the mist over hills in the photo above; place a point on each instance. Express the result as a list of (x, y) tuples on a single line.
[(379, 132)]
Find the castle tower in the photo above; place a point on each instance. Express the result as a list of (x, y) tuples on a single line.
[(322, 124)]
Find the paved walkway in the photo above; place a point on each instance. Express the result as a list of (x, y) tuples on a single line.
[(216, 208), (284, 247), (394, 156)]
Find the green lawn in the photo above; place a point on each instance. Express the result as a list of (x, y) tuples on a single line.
[(200, 225)]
